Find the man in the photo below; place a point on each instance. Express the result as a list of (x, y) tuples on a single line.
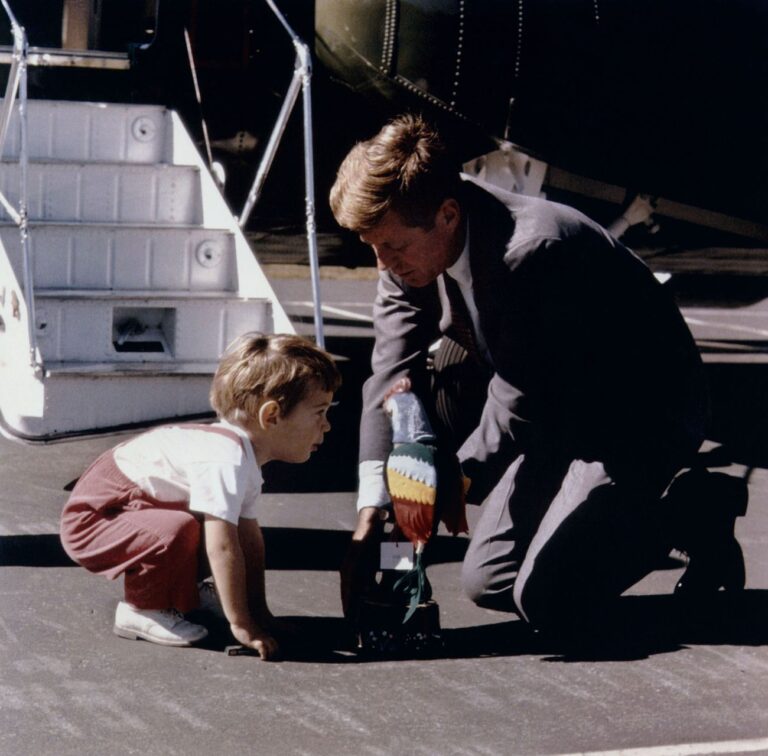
[(579, 397)]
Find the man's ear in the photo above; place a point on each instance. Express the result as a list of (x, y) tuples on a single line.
[(269, 414), (449, 213)]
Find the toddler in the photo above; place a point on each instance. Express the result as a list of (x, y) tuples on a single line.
[(155, 507)]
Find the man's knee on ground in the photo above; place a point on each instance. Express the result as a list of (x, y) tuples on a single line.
[(480, 588)]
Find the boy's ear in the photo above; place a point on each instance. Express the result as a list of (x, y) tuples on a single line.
[(269, 414)]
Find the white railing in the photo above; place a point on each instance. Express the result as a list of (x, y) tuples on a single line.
[(17, 86), (301, 82)]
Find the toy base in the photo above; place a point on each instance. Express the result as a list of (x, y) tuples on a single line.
[(381, 631)]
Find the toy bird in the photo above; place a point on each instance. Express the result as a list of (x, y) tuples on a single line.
[(412, 469)]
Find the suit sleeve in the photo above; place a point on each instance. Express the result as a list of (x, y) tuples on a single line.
[(405, 324)]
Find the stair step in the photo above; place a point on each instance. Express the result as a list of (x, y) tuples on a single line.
[(75, 402), (135, 295), (93, 132), (77, 256), (55, 56), (115, 368), (107, 193), (98, 326)]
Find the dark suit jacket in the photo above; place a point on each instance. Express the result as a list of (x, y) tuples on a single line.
[(587, 347)]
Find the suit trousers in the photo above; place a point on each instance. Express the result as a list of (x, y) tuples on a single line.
[(559, 537)]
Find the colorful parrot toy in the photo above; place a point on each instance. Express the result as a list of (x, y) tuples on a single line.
[(412, 471)]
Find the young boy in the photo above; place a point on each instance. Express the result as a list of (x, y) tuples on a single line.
[(138, 509)]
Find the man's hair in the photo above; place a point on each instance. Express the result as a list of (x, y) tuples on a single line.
[(406, 168), (258, 367)]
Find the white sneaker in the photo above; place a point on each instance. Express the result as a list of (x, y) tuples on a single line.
[(209, 599), (164, 626)]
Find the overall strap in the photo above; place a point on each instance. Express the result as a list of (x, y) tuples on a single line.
[(211, 429)]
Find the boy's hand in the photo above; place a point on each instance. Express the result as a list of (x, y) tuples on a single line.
[(255, 638)]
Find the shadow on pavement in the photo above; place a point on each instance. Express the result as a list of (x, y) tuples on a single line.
[(286, 549), (644, 626), (33, 551), (740, 411)]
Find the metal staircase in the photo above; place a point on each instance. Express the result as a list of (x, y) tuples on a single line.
[(138, 274)]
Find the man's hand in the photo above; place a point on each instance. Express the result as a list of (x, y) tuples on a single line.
[(254, 637), (358, 570), (452, 487)]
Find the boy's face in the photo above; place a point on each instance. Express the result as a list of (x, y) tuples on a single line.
[(298, 434)]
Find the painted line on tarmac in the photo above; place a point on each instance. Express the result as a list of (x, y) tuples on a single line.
[(727, 326), (685, 749), (337, 310)]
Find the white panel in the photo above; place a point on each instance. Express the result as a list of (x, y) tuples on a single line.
[(169, 270), (106, 194), (179, 199), (51, 266), (83, 403), (100, 195), (137, 196), (61, 192), (108, 135), (241, 318), (85, 332), (82, 131), (69, 134), (91, 263), (130, 259), (81, 256), (79, 328)]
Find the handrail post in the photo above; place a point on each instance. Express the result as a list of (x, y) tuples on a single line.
[(302, 53), (300, 82), (29, 289), (17, 85)]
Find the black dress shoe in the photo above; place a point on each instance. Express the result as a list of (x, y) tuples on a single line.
[(704, 507), (708, 572)]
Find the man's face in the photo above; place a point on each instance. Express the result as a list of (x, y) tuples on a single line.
[(415, 254)]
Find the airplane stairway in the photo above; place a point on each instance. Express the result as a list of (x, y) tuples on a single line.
[(140, 274)]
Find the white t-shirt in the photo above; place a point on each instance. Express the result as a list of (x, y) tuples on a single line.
[(212, 471)]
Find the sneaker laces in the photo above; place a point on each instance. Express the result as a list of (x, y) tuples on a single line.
[(208, 591), (173, 614)]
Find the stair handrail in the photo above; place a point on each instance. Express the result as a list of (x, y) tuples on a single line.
[(17, 86), (300, 82)]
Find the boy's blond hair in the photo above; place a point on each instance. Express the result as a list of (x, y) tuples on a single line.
[(258, 367), (406, 168)]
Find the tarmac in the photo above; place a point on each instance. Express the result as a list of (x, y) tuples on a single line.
[(674, 682)]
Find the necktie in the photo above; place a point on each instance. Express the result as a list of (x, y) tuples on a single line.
[(461, 329)]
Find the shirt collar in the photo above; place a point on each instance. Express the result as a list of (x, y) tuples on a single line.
[(460, 271)]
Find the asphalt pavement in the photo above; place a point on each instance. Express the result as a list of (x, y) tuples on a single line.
[(673, 682)]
